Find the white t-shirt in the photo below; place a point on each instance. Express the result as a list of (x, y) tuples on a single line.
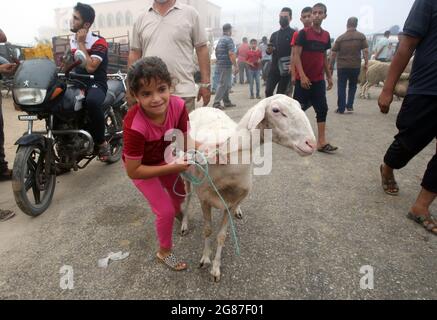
[(173, 38), (385, 53)]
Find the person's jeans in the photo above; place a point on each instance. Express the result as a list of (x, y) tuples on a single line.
[(3, 163), (254, 76), (344, 76), (215, 79), (224, 86), (244, 69)]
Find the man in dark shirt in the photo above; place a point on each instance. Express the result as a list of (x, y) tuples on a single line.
[(95, 49), (311, 61), (347, 51), (279, 47), (417, 120)]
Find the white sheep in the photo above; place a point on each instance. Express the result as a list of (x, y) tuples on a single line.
[(376, 74), (362, 79), (402, 86), (290, 128)]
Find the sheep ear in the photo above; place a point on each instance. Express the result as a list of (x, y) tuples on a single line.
[(256, 115)]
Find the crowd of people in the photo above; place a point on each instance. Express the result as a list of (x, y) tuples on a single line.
[(298, 63)]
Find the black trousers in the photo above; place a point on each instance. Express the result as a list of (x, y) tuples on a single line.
[(417, 124), (315, 96), (3, 163), (95, 97), (274, 79)]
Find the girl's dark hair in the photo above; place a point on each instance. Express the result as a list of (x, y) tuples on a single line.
[(86, 12), (144, 70)]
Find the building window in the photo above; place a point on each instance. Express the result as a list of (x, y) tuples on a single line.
[(129, 18), (209, 23), (110, 20), (119, 19), (217, 22), (101, 21)]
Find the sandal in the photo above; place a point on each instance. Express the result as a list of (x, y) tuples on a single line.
[(390, 186), (104, 152), (172, 262), (328, 149), (6, 215), (428, 222)]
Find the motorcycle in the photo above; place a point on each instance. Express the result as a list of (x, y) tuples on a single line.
[(66, 144)]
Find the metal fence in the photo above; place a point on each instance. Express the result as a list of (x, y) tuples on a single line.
[(118, 51)]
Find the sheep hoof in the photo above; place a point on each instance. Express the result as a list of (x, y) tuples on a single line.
[(184, 232), (204, 262), (216, 278), (216, 274), (239, 214)]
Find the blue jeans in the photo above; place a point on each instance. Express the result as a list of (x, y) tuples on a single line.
[(216, 78), (224, 86), (345, 75), (254, 76)]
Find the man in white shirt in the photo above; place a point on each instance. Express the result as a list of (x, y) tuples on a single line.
[(383, 48), (172, 31)]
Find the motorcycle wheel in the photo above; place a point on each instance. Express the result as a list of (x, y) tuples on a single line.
[(33, 187), (114, 123)]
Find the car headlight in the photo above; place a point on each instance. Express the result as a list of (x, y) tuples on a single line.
[(29, 96)]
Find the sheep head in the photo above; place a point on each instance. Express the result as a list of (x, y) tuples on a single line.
[(289, 124)]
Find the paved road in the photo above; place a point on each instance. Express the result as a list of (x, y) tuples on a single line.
[(309, 227)]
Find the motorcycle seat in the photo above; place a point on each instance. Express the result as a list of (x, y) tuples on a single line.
[(115, 93)]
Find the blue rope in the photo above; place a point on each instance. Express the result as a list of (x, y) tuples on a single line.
[(196, 182)]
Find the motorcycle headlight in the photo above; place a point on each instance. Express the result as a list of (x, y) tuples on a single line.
[(29, 96)]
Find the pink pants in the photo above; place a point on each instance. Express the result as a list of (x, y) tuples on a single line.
[(164, 203)]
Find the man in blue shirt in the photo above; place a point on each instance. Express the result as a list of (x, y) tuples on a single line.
[(417, 120), (226, 58)]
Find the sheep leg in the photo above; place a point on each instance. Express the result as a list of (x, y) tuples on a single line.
[(221, 239), (207, 232), (239, 213), (363, 90), (369, 85), (184, 228)]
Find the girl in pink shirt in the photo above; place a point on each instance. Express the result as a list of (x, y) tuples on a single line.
[(145, 127)]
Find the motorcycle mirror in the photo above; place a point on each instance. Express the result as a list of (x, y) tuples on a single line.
[(17, 53), (80, 56)]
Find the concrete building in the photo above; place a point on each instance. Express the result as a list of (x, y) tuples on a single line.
[(116, 18)]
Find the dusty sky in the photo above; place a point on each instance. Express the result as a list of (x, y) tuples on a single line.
[(21, 19)]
